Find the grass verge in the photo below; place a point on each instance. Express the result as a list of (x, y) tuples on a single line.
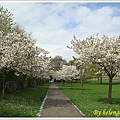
[(23, 103), (93, 101)]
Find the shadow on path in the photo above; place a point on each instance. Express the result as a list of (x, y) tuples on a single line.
[(56, 104)]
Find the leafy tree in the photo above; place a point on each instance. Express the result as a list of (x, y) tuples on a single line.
[(18, 53), (82, 68), (92, 71), (6, 20), (104, 51), (57, 62), (71, 62)]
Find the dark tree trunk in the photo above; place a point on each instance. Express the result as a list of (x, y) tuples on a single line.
[(3, 81), (100, 79), (111, 76), (66, 82), (41, 81), (23, 82), (63, 81), (110, 91), (71, 84), (82, 86), (78, 81), (3, 87), (110, 88)]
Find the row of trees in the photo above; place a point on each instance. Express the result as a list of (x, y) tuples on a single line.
[(73, 71), (20, 56), (98, 56), (18, 53)]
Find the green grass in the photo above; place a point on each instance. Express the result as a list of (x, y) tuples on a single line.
[(93, 101), (23, 103)]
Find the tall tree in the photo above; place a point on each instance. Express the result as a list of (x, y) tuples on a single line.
[(104, 51), (82, 68), (57, 62), (18, 51), (6, 20)]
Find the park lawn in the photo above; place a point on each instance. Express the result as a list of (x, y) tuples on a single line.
[(93, 101), (23, 103)]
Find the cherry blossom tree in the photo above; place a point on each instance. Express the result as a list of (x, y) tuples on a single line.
[(68, 73), (39, 68), (18, 52), (81, 67), (104, 51), (6, 20)]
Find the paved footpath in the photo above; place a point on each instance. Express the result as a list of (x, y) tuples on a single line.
[(56, 104)]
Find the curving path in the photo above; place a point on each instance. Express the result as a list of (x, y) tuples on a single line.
[(56, 104)]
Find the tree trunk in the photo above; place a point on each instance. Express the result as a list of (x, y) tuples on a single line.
[(66, 82), (23, 82), (3, 87), (41, 81), (71, 84), (100, 79), (110, 91), (3, 81), (78, 81), (63, 81), (82, 86)]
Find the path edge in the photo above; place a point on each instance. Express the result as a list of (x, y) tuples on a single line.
[(41, 107), (73, 104)]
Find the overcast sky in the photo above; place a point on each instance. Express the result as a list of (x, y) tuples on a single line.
[(53, 24)]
